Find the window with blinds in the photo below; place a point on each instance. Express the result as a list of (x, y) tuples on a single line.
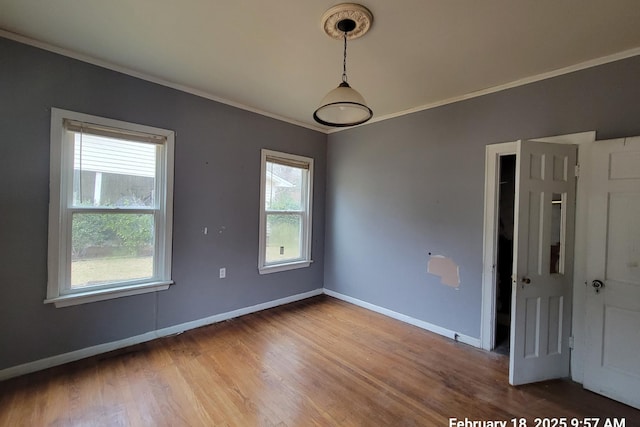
[(285, 215), (110, 210)]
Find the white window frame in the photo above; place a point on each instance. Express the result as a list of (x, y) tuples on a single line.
[(305, 238), (59, 291)]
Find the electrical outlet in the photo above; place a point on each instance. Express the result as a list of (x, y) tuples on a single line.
[(223, 273)]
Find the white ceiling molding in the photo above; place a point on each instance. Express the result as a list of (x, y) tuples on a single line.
[(147, 77), (532, 79), (309, 125)]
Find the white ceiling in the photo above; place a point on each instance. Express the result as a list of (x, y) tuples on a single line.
[(273, 57)]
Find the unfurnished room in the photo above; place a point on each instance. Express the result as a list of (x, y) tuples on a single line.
[(290, 213)]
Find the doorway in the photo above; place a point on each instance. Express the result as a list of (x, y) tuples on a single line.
[(540, 311), (504, 259)]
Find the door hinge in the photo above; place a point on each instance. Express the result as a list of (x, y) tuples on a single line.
[(577, 171), (571, 343)]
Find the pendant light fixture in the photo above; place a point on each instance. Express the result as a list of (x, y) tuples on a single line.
[(344, 106)]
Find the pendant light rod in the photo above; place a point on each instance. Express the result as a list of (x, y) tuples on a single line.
[(345, 25), (344, 60)]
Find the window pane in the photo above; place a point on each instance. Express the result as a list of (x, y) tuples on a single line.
[(112, 172), (284, 187), (111, 248), (556, 264), (283, 238)]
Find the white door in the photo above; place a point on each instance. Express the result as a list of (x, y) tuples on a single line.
[(543, 262), (613, 306)]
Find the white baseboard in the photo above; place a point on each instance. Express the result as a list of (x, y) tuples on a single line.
[(61, 359), (407, 319)]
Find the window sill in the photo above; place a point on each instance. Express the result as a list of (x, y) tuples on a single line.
[(105, 294), (283, 267)]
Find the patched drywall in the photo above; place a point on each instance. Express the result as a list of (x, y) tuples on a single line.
[(445, 268), (398, 187)]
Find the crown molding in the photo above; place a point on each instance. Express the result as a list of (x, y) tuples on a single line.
[(150, 78), (521, 82), (183, 88)]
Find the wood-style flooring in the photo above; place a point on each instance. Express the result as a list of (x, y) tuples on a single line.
[(319, 361)]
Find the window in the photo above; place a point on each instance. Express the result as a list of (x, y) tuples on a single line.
[(110, 209), (285, 212)]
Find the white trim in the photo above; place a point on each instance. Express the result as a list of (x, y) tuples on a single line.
[(184, 88), (105, 294), (150, 78), (61, 359), (60, 213), (493, 151), (306, 215), (283, 267), (516, 83), (407, 319)]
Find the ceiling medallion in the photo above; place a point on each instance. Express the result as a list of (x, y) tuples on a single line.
[(359, 14)]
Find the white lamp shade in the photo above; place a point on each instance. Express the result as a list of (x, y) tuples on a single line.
[(342, 107)]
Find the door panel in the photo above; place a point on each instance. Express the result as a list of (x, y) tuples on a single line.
[(556, 312), (532, 328), (541, 297), (613, 312), (617, 353)]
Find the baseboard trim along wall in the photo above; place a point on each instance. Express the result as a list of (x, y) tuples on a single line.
[(407, 319), (49, 362)]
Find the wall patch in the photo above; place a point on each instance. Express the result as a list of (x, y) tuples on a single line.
[(444, 267)]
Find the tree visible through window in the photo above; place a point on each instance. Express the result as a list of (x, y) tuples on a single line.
[(285, 223)]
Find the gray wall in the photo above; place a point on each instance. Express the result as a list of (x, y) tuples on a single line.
[(401, 188), (396, 190), (216, 185)]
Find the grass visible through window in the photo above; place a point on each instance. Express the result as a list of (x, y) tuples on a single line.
[(91, 272)]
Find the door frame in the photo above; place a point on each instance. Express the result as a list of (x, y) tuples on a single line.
[(490, 243), (490, 240)]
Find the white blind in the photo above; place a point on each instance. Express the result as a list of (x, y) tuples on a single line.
[(288, 162), (110, 132), (108, 150)]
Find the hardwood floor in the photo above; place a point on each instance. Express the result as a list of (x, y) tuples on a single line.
[(319, 361)]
